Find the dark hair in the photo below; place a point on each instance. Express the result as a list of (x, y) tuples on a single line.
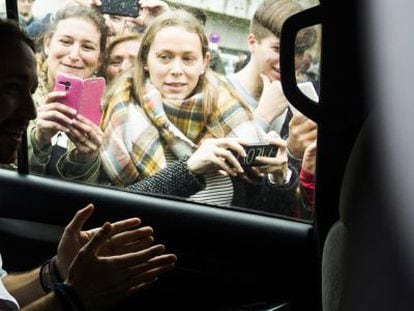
[(197, 13), (270, 17), (11, 30)]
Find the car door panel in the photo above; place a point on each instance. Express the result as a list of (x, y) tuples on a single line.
[(226, 257)]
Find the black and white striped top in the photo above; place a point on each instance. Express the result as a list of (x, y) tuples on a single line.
[(219, 189)]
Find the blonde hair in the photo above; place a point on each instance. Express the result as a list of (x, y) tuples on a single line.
[(207, 83)]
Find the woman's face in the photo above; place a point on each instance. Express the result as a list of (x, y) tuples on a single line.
[(74, 48), (175, 62), (121, 58)]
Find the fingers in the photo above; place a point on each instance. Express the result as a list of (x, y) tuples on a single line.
[(154, 267), (281, 158), (57, 112), (132, 240), (134, 247), (216, 154), (80, 218), (128, 224), (265, 79), (149, 272), (226, 161), (132, 259), (97, 241), (85, 134)]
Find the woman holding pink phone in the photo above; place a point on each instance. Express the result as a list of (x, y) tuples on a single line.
[(62, 142)]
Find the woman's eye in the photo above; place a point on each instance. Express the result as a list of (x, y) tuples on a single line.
[(65, 41), (115, 63), (189, 60), (164, 57), (89, 47)]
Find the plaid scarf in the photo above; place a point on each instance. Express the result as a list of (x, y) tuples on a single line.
[(134, 141)]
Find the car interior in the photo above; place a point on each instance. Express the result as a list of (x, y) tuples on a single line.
[(354, 254)]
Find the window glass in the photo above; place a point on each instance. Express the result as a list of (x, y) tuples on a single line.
[(3, 9), (187, 116)]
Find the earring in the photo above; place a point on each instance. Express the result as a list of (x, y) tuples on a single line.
[(145, 68), (202, 73)]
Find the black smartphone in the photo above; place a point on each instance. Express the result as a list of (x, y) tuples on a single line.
[(120, 7), (256, 150)]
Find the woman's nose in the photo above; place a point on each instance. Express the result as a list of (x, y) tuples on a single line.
[(176, 67), (74, 52), (126, 64)]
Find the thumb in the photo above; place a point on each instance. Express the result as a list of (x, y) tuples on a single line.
[(80, 218), (98, 239)]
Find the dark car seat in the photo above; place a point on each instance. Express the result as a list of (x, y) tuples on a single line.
[(365, 263)]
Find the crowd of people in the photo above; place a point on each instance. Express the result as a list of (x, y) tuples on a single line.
[(170, 125)]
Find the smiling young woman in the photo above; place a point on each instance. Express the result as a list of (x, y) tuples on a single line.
[(61, 142)]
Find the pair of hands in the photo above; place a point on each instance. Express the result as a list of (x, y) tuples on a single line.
[(217, 154), (107, 264), (53, 117)]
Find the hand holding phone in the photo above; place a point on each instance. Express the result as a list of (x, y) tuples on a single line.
[(82, 95), (256, 150)]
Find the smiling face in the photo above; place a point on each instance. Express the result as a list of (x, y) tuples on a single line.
[(175, 62), (18, 80), (266, 57), (74, 48)]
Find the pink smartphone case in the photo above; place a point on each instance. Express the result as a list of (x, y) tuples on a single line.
[(82, 95)]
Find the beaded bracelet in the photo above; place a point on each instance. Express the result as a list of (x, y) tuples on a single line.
[(68, 297), (49, 275)]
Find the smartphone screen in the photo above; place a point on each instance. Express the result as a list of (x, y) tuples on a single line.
[(120, 7), (256, 150)]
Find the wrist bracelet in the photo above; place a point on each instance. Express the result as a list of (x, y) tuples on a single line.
[(68, 296), (49, 275)]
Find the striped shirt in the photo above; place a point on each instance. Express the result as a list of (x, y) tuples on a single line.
[(219, 188)]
